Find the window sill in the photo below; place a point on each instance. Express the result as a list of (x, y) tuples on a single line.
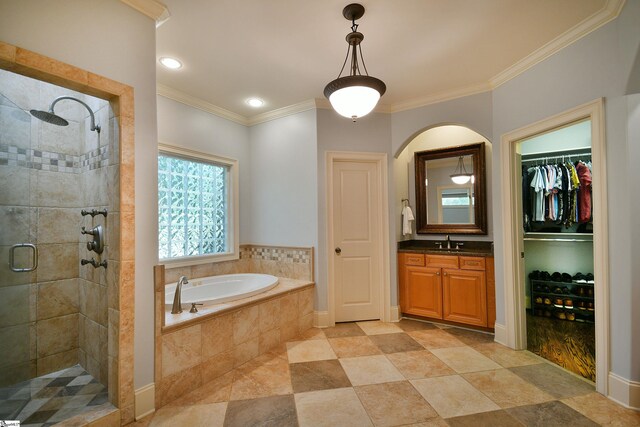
[(195, 260)]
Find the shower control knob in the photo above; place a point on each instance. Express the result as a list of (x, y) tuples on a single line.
[(92, 246), (85, 231)]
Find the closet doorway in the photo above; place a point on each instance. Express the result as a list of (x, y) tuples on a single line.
[(555, 228)]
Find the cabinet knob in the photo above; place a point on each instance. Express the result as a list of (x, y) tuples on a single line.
[(444, 274), (438, 273)]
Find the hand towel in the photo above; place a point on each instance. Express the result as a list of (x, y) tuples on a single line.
[(407, 217)]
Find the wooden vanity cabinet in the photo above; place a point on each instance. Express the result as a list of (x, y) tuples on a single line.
[(447, 287)]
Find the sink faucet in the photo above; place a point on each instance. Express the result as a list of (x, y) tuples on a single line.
[(448, 240), (177, 303)]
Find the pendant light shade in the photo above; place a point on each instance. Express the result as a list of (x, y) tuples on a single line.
[(460, 175), (357, 94)]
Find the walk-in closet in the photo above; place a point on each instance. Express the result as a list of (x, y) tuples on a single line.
[(557, 223)]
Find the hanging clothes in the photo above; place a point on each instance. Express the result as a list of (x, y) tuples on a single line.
[(556, 195)]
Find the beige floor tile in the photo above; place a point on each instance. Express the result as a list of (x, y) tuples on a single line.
[(308, 351), (435, 338), (370, 370), (354, 346), (330, 408), (419, 364), (452, 396), (507, 357), (506, 388), (210, 415), (313, 334), (464, 359), (433, 422), (377, 327), (603, 411), (392, 404), (267, 375), (218, 390)]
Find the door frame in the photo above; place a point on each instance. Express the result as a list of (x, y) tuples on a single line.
[(380, 160), (512, 239)]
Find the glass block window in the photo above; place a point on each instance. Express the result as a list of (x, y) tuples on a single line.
[(193, 207)]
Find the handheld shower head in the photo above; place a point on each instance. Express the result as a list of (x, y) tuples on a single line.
[(51, 117)]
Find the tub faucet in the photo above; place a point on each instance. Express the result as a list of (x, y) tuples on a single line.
[(448, 240), (177, 302)]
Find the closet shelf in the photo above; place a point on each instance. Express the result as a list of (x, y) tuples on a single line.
[(558, 237)]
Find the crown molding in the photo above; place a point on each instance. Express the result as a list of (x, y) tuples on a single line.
[(151, 8), (200, 104), (441, 97), (609, 12), (310, 104)]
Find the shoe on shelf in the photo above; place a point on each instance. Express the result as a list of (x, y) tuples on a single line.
[(568, 303), (566, 277), (589, 277), (547, 301), (558, 303), (534, 275), (579, 278), (544, 275), (538, 300), (571, 316), (581, 305)]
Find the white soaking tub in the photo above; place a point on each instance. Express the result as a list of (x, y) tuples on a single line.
[(217, 289)]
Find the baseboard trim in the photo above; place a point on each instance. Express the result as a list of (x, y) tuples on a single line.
[(624, 391), (500, 334), (395, 313), (321, 319), (145, 398)]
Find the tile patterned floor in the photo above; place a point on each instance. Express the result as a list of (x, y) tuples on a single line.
[(394, 374), (52, 398)]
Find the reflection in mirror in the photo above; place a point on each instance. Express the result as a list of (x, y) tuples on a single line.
[(450, 195)]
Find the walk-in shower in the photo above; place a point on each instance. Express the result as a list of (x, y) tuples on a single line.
[(59, 205)]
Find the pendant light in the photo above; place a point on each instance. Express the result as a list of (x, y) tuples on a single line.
[(357, 94), (460, 174)]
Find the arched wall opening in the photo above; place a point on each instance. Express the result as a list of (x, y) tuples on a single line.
[(441, 135)]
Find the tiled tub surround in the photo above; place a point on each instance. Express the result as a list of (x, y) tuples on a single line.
[(58, 314), (194, 349)]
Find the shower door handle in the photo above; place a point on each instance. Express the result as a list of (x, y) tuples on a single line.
[(34, 259)]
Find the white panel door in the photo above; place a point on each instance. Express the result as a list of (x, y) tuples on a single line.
[(357, 241)]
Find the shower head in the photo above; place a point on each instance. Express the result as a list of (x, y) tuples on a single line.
[(51, 117)]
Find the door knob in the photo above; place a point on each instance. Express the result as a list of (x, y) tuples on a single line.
[(338, 250)]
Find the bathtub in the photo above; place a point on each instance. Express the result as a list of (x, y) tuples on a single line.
[(218, 289)]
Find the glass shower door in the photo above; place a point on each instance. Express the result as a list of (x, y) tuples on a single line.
[(18, 253)]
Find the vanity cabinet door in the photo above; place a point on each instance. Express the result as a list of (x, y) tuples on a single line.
[(423, 291), (464, 296)]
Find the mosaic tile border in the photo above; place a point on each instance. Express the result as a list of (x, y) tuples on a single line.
[(292, 255), (11, 155)]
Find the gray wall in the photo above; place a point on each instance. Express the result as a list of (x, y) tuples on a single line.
[(283, 181), (113, 40), (596, 66), (368, 134)]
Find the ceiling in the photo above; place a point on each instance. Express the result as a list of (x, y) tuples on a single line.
[(286, 51)]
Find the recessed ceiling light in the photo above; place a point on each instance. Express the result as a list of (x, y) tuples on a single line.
[(255, 102), (171, 63)]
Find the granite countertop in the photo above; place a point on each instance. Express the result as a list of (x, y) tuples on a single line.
[(470, 248)]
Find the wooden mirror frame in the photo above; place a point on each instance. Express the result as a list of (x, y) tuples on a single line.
[(480, 208)]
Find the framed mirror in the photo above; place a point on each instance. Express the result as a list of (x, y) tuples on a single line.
[(450, 190)]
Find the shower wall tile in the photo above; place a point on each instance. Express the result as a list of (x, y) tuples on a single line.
[(59, 225), (15, 305), (15, 186), (16, 224), (15, 374), (57, 335), (17, 339), (94, 188), (91, 339), (15, 125), (60, 139), (57, 298), (20, 90), (113, 187), (57, 261), (56, 362), (93, 301), (57, 190)]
